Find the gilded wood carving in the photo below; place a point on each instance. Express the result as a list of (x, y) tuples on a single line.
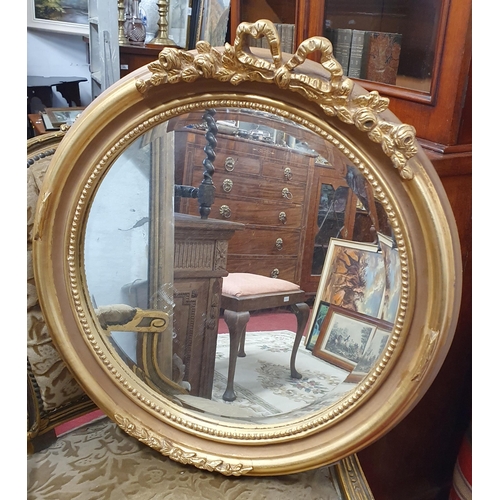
[(236, 64)]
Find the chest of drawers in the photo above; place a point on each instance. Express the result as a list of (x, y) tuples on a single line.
[(261, 185)]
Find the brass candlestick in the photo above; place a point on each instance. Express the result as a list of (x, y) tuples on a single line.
[(162, 36), (122, 39)]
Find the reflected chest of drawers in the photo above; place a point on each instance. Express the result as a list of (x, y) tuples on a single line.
[(261, 185)]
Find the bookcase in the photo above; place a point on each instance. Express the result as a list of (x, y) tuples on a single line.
[(432, 92)]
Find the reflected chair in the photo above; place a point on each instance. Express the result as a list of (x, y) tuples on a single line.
[(243, 293)]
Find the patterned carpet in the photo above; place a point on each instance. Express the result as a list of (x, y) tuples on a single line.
[(263, 383), (101, 462)]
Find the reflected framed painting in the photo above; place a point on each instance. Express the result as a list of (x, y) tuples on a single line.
[(343, 343), (374, 348), (317, 323), (393, 284), (353, 278), (63, 16)]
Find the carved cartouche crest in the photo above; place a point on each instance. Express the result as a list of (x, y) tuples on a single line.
[(236, 64)]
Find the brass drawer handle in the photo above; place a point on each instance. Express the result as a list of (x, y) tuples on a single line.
[(288, 174), (275, 273), (279, 243), (227, 185), (229, 164), (225, 211), (285, 192), (282, 217)]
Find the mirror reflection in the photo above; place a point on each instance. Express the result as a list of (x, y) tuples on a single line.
[(239, 264)]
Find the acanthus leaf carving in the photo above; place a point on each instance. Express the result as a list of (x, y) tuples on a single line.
[(176, 453)]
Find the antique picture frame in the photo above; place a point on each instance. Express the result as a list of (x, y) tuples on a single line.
[(59, 22), (61, 116), (343, 341), (392, 294), (316, 324), (315, 96), (344, 257), (372, 351), (214, 18)]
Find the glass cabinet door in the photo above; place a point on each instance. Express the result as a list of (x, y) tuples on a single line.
[(283, 13), (393, 42)]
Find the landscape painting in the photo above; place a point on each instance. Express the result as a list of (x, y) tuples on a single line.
[(66, 16), (343, 342)]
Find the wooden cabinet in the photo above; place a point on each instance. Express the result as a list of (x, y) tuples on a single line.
[(199, 265), (261, 185), (132, 58), (201, 248), (438, 36)]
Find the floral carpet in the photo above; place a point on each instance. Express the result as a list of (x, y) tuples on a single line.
[(101, 462), (263, 383)]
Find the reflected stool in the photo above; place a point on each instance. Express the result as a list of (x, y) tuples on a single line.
[(243, 293)]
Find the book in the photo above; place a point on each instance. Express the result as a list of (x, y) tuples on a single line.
[(287, 37), (286, 33), (341, 41), (359, 54), (382, 56)]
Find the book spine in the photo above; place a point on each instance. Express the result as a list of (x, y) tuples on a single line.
[(383, 57), (342, 47), (288, 38), (359, 49)]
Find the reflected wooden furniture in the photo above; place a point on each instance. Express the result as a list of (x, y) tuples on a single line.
[(261, 185), (243, 293), (199, 266), (274, 190)]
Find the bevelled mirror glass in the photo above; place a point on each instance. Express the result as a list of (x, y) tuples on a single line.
[(203, 170)]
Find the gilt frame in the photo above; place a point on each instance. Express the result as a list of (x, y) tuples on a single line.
[(320, 98)]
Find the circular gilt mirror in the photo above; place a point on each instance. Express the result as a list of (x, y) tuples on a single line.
[(210, 172)]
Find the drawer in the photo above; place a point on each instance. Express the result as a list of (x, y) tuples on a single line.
[(256, 240), (287, 268), (227, 162), (287, 172), (232, 185), (258, 212)]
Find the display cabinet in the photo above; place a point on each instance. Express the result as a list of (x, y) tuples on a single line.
[(435, 59)]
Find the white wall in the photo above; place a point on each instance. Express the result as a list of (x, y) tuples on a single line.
[(58, 54)]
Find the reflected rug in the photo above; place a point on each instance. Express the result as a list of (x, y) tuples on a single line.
[(262, 381)]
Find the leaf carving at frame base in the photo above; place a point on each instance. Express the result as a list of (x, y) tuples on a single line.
[(170, 450)]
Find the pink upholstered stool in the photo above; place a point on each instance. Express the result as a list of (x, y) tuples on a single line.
[(243, 293)]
